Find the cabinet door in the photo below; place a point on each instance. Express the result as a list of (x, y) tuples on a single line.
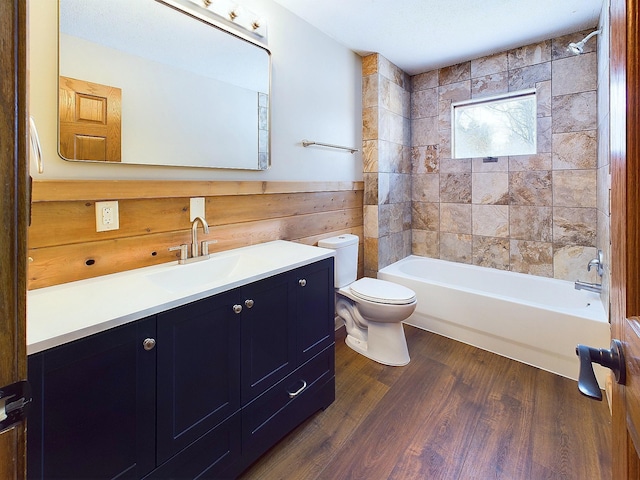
[(268, 334), (94, 406), (315, 300), (198, 370)]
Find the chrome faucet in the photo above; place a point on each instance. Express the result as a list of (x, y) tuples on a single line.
[(593, 287), (194, 235)]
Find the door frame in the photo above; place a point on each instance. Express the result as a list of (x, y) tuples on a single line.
[(625, 210), (13, 219)]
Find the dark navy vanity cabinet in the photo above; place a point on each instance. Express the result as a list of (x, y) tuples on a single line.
[(201, 390)]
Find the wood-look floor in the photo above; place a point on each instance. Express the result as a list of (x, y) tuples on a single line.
[(455, 412)]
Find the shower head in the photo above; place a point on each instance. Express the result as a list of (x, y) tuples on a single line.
[(578, 48)]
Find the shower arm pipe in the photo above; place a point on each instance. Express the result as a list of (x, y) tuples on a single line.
[(307, 143), (584, 40)]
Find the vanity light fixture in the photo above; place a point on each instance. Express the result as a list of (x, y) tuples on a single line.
[(229, 11)]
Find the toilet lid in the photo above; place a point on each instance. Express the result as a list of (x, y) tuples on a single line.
[(381, 291)]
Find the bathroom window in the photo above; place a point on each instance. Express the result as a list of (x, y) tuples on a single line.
[(495, 127)]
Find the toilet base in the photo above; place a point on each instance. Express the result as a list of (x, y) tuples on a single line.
[(386, 344)]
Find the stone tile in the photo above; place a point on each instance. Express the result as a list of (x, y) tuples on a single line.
[(528, 77), (535, 258), (574, 112), (489, 65), (531, 188), (370, 91), (425, 80), (425, 159), (425, 216), (574, 188), (531, 223), (540, 161), (370, 156), (370, 188), (453, 92), (390, 156), (488, 85), (391, 96), (370, 254), (424, 131), (399, 188), (455, 218), (491, 252), (406, 223), (426, 244), (384, 220), (370, 221), (490, 220), (444, 147), (603, 180), (384, 187), (425, 187), (575, 150), (533, 54), (569, 263), (544, 138), (456, 247), (560, 45), (490, 188), (370, 64), (455, 188), (575, 74), (370, 123), (543, 95), (393, 216), (574, 226), (404, 159), (454, 165), (391, 249), (424, 103), (455, 73), (478, 165), (391, 72), (390, 126)]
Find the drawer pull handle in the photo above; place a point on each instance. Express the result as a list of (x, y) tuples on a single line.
[(148, 344), (302, 282), (248, 303), (237, 308), (299, 391)]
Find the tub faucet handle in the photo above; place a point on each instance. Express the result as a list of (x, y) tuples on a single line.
[(598, 263)]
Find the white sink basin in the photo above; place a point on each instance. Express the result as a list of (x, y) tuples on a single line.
[(215, 270)]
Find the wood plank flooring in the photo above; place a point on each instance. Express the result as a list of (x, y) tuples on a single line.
[(455, 412)]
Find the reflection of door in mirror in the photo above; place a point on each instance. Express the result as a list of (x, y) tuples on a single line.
[(90, 121)]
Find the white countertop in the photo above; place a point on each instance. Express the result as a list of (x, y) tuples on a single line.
[(67, 312)]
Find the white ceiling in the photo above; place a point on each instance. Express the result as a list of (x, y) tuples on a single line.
[(420, 35)]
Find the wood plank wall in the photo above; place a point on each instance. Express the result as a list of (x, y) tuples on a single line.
[(154, 215)]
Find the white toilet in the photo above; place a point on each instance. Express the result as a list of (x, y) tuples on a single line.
[(372, 309)]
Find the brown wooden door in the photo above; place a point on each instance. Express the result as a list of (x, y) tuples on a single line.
[(90, 121), (625, 230), (13, 217)]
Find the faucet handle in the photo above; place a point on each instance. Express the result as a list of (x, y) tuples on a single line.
[(204, 246), (184, 251)]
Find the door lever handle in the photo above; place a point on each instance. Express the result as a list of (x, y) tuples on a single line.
[(612, 359)]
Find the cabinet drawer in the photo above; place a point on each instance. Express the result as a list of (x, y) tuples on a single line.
[(207, 457), (280, 409)]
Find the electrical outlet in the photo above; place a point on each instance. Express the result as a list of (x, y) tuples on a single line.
[(196, 208), (107, 216)]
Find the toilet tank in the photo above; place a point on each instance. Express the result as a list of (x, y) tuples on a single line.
[(346, 257)]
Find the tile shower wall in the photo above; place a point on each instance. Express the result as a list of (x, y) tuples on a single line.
[(534, 214), (387, 163)]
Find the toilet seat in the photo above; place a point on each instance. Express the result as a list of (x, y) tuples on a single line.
[(381, 291)]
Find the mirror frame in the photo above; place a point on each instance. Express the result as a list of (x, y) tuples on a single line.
[(184, 7)]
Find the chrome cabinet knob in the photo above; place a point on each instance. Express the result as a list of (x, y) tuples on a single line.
[(148, 344), (248, 303), (237, 308), (302, 282)]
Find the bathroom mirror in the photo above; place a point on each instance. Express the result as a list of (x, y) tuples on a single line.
[(189, 93)]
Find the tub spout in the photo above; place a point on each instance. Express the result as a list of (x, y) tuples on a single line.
[(591, 287)]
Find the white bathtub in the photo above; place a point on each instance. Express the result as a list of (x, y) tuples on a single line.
[(535, 320)]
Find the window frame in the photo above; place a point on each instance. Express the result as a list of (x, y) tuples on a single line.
[(491, 99)]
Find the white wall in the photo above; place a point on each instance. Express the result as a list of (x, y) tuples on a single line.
[(315, 94)]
